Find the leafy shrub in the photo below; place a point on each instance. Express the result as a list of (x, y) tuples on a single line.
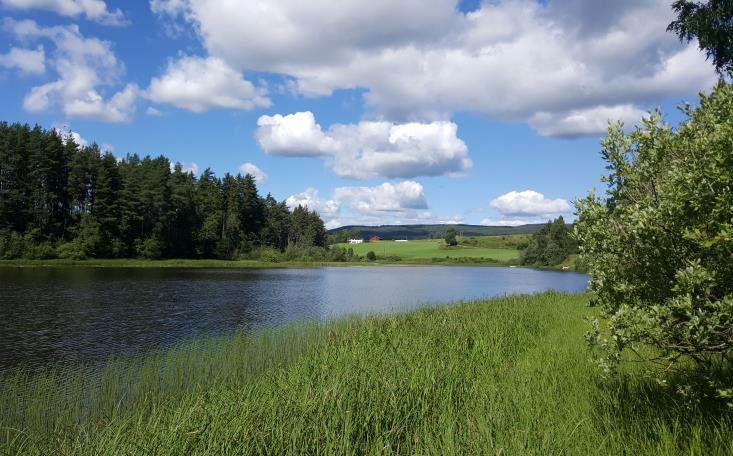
[(151, 248), (549, 246), (659, 244), (371, 256)]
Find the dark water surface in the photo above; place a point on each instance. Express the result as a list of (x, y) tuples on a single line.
[(70, 314)]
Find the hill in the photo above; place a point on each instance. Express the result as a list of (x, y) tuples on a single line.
[(436, 231)]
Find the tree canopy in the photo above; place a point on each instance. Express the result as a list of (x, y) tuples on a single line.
[(450, 237), (659, 243), (550, 245), (711, 23), (58, 198)]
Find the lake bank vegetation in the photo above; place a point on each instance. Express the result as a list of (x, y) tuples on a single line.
[(659, 247), (506, 375)]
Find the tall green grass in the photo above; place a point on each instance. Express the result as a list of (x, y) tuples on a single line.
[(501, 376)]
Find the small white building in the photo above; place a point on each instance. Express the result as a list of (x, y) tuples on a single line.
[(400, 240), (356, 241)]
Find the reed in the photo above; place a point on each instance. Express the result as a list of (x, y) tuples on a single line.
[(502, 376)]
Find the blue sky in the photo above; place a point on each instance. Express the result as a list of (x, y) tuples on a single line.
[(380, 111)]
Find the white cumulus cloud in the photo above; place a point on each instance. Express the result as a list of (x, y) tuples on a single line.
[(191, 167), (199, 84), (293, 135), (85, 67), (584, 121), (252, 169), (400, 202), (422, 60), (65, 132), (385, 198), (369, 149), (311, 199), (27, 61), (93, 10), (528, 203), (151, 111)]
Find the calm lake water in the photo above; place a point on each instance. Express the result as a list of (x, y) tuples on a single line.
[(52, 315)]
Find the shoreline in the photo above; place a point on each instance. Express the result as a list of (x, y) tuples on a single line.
[(517, 379), (245, 264)]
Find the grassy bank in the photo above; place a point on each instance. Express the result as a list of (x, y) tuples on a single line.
[(503, 376), (240, 264), (141, 263)]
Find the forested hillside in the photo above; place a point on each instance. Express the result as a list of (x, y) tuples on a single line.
[(58, 199)]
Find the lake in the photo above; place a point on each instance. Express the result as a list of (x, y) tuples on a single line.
[(85, 314)]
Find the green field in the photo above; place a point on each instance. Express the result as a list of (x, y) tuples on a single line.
[(430, 248), (499, 377)]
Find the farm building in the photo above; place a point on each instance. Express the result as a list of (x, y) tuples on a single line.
[(375, 238), (356, 241)]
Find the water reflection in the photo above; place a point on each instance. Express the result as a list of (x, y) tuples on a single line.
[(49, 315)]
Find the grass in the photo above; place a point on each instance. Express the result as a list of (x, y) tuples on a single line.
[(431, 248), (503, 376)]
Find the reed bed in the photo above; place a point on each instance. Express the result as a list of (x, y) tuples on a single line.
[(501, 376)]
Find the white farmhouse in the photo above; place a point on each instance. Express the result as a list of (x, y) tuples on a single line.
[(356, 241)]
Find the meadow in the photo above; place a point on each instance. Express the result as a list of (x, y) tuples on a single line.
[(502, 376), (427, 249)]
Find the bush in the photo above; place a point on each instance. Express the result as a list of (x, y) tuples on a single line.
[(371, 256), (659, 244), (71, 251), (150, 249)]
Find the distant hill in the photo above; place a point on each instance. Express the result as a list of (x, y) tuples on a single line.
[(436, 231)]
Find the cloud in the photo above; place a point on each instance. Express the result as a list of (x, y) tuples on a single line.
[(93, 10), (423, 60), (186, 167), (401, 202), (199, 84), (385, 198), (65, 132), (151, 111), (293, 135), (84, 66), (528, 203), (310, 198), (27, 61), (251, 169), (585, 121), (369, 149), (510, 222)]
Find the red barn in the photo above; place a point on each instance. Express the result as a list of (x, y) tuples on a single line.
[(375, 238)]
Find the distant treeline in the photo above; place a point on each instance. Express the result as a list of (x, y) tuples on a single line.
[(59, 199)]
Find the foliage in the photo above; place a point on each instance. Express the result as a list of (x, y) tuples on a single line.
[(711, 23), (550, 246), (500, 376), (371, 256), (342, 236), (450, 237), (60, 199), (659, 245)]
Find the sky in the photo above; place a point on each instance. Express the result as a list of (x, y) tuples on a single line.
[(368, 111)]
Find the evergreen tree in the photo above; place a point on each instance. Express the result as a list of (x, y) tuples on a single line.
[(57, 198)]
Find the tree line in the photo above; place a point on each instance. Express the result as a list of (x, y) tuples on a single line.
[(61, 199), (550, 246)]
